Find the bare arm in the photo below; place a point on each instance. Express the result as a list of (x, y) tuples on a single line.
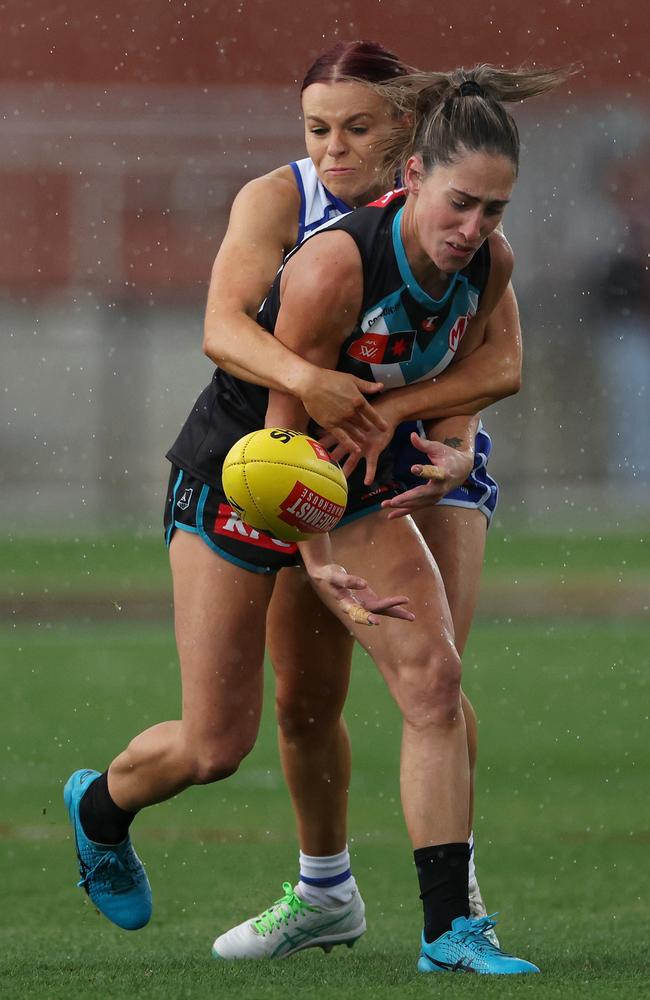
[(321, 292), (262, 227), (259, 234), (446, 462), (457, 433)]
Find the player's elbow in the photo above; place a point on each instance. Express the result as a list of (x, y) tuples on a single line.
[(511, 382), (506, 380), (217, 345), (211, 345)]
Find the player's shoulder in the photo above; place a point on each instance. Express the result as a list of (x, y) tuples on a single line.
[(269, 202), (277, 189), (281, 180), (327, 265), (501, 262), (501, 254), (334, 251)]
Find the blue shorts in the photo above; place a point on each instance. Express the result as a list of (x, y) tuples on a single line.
[(478, 492)]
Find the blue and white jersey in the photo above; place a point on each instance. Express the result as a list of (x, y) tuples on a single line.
[(318, 206)]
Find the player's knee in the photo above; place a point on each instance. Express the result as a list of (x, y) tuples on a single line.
[(301, 719), (430, 694), (215, 762)]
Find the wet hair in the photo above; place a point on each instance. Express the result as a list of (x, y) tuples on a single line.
[(363, 61), (443, 115)]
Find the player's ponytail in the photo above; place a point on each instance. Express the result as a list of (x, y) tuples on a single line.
[(438, 114)]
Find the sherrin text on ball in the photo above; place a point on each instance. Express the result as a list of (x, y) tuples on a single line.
[(284, 482)]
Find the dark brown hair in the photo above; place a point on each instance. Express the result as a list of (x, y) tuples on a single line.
[(442, 115), (368, 62)]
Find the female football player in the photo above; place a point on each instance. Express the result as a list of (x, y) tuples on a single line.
[(346, 126), (427, 258)]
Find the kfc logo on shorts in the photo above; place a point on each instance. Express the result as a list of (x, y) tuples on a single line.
[(229, 523)]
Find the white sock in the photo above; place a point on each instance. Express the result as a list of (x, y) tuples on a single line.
[(472, 868), (329, 878)]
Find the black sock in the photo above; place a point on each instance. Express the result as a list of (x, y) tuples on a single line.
[(101, 819), (443, 873)]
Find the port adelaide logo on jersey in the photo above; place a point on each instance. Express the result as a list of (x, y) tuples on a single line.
[(378, 348)]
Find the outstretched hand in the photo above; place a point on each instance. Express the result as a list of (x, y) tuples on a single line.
[(355, 598), (445, 469)]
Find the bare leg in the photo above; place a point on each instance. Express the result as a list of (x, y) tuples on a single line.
[(220, 621), (456, 537), (422, 669), (312, 665), (311, 687)]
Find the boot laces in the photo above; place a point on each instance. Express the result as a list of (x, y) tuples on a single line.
[(116, 870), (475, 931), (282, 911)]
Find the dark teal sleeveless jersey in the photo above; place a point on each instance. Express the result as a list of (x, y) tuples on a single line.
[(402, 335)]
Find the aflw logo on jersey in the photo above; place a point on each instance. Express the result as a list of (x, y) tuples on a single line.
[(377, 348)]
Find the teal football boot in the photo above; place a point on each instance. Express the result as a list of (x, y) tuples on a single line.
[(112, 874), (466, 948)]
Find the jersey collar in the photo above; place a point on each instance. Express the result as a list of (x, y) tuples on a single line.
[(336, 202)]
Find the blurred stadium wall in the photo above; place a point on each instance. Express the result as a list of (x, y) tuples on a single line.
[(128, 128)]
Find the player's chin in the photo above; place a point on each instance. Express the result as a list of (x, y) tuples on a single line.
[(348, 197), (350, 189), (455, 258)]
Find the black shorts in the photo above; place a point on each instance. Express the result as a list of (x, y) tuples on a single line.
[(195, 506)]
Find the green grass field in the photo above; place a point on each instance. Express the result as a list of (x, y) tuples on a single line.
[(562, 827), (120, 567)]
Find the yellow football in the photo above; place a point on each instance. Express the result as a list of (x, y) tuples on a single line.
[(284, 482)]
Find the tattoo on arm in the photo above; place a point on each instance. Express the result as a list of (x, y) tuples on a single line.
[(453, 442)]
